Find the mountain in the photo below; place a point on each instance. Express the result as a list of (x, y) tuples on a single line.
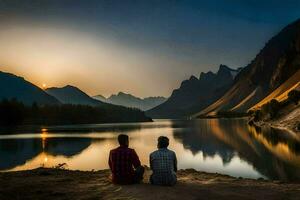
[(281, 93), (129, 100), (288, 113), (100, 98), (274, 64), (195, 94), (12, 86), (72, 95)]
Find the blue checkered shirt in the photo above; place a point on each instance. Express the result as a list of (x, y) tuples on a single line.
[(163, 163)]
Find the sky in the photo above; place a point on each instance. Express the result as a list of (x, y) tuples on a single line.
[(146, 48)]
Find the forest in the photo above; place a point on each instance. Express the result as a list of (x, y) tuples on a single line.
[(15, 113)]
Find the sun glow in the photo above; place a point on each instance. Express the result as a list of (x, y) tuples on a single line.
[(44, 85), (44, 137)]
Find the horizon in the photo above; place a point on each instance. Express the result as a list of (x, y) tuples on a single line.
[(140, 48)]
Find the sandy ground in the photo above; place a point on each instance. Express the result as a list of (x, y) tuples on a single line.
[(64, 184)]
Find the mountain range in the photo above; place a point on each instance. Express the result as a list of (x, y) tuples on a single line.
[(272, 74), (131, 101), (61, 111), (195, 94), (270, 70)]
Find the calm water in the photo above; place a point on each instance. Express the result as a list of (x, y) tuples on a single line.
[(227, 146)]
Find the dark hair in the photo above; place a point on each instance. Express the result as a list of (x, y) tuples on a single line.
[(162, 142), (123, 139)]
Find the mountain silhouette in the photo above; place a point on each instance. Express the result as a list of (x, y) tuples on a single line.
[(129, 100), (100, 98), (195, 94), (73, 95), (12, 86), (274, 64)]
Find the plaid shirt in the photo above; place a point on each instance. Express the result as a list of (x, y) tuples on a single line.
[(163, 163), (122, 162)]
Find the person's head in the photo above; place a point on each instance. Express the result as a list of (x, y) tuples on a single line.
[(162, 142), (123, 140)]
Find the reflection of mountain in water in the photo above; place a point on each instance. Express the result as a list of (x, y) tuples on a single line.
[(14, 152), (66, 146), (271, 153), (197, 137)]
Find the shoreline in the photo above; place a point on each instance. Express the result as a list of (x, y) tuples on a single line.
[(287, 119), (51, 183), (273, 124)]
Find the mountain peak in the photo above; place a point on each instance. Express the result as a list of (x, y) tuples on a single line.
[(100, 96), (206, 76), (70, 87), (72, 95), (193, 78), (129, 100), (123, 94), (194, 94), (224, 67)]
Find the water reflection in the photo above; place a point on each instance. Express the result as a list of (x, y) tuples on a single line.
[(273, 153), (17, 152), (215, 145)]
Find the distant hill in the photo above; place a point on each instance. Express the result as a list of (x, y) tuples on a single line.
[(73, 95), (278, 61), (129, 100), (195, 94), (12, 86), (100, 98)]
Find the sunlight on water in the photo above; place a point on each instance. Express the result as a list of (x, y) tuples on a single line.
[(222, 146)]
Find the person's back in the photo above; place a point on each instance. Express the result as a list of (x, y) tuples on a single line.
[(125, 164), (163, 163)]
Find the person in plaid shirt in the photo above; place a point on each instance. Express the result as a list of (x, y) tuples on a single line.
[(125, 164), (163, 163)]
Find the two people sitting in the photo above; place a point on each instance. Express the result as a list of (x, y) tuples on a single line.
[(126, 167)]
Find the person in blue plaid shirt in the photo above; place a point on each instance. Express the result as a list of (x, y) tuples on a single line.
[(163, 163)]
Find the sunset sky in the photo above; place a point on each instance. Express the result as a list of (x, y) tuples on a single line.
[(141, 47)]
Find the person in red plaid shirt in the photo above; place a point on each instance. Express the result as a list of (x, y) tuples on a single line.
[(125, 164)]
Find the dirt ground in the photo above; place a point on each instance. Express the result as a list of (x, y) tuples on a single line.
[(65, 184)]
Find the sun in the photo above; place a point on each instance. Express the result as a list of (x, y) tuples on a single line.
[(44, 85)]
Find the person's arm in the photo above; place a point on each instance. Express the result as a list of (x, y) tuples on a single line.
[(135, 159), (150, 161), (175, 162), (110, 160)]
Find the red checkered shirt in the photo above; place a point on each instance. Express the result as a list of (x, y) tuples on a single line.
[(122, 162)]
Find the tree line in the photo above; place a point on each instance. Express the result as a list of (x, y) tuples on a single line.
[(14, 112)]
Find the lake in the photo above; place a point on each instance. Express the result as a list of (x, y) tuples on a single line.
[(226, 146)]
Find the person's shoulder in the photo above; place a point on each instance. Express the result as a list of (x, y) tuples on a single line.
[(114, 150), (172, 152), (131, 150), (154, 152)]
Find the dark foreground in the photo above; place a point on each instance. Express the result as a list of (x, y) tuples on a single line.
[(64, 184)]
